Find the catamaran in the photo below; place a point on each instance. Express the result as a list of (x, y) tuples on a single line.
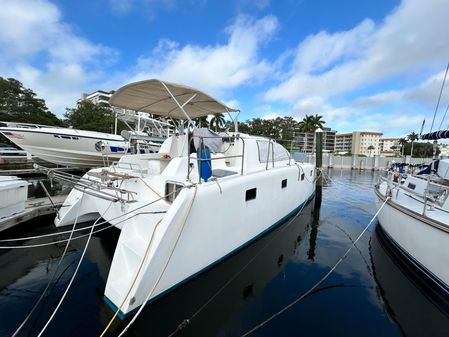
[(201, 198)]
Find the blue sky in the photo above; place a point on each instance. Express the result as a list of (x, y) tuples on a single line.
[(363, 65)]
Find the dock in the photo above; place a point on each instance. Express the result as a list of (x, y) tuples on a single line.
[(34, 207)]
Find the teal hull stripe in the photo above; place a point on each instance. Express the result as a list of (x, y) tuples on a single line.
[(122, 316)]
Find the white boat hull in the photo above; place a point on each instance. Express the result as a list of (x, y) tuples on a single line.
[(13, 195), (425, 241), (200, 228), (68, 147)]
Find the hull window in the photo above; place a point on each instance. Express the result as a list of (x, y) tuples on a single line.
[(284, 183), (251, 194), (171, 191)]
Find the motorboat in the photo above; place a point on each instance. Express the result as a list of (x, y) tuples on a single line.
[(201, 198), (415, 218), (13, 195), (86, 149)]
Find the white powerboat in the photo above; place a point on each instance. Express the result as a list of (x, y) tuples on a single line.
[(201, 198), (416, 220), (81, 148)]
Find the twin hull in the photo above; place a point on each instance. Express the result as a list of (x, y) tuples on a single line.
[(202, 226), (424, 244)]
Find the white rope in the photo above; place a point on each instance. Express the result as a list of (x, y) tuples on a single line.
[(308, 292), (284, 227), (54, 273), (79, 229), (165, 266), (73, 276), (134, 280)]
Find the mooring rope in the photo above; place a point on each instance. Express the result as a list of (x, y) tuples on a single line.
[(322, 279), (54, 273), (187, 321), (80, 229), (134, 280), (73, 276), (165, 266)]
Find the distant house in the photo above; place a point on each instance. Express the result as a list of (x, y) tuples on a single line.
[(390, 147)]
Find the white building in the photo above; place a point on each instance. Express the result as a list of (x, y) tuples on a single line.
[(359, 142), (97, 97), (305, 141), (390, 146)]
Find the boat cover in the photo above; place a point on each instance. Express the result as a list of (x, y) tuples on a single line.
[(211, 140), (153, 97), (436, 135)]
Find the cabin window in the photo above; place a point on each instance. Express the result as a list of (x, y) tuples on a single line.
[(251, 194), (303, 176), (411, 186), (171, 191), (284, 183)]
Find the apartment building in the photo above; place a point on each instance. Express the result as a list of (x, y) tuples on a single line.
[(390, 146), (305, 141), (96, 97), (359, 142), (343, 143)]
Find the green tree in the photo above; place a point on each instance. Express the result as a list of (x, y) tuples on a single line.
[(402, 142), (20, 104), (310, 123), (412, 137), (89, 116), (201, 122), (218, 121), (421, 150)]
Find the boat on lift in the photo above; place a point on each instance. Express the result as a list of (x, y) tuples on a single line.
[(87, 149), (415, 218), (200, 199)]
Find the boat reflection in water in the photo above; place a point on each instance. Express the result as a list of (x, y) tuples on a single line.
[(409, 299), (235, 280)]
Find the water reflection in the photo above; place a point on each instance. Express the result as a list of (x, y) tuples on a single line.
[(368, 294), (225, 289), (410, 303)]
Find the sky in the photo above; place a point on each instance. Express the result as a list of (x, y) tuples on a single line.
[(374, 65)]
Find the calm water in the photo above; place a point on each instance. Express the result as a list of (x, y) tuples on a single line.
[(369, 294)]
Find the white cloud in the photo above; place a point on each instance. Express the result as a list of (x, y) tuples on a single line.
[(213, 68), (329, 67), (334, 64), (43, 52)]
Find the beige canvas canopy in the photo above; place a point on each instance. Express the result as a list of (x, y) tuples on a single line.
[(166, 99)]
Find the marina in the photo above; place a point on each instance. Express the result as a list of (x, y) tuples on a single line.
[(248, 288), (224, 169)]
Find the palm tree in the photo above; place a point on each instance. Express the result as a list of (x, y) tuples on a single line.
[(402, 142), (311, 123), (412, 137), (218, 121), (370, 148), (202, 122)]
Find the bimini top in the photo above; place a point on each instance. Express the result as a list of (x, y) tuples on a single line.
[(164, 99), (436, 135)]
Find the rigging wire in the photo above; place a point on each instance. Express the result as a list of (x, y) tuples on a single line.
[(439, 98)]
